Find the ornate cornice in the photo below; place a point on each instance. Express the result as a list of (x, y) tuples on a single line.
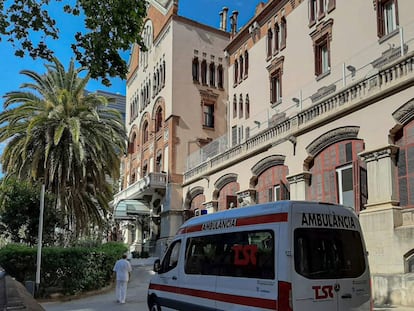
[(332, 137), (380, 153), (224, 180), (264, 164), (405, 113), (301, 177)]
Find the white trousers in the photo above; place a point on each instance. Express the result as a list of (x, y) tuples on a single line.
[(121, 291)]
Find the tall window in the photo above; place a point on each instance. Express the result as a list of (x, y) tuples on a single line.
[(321, 43), (269, 42), (234, 106), (247, 110), (145, 132), (387, 16), (241, 62), (345, 185), (246, 63), (204, 72), (241, 106), (275, 87), (236, 71), (220, 76), (277, 38), (158, 120), (405, 142), (313, 9), (208, 115), (212, 74), (196, 72), (322, 57), (283, 33)]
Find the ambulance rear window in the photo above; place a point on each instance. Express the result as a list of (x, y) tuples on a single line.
[(322, 253)]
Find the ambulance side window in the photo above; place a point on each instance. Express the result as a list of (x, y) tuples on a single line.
[(171, 257), (248, 254)]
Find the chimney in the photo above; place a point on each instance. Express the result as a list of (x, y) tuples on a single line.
[(221, 20), (224, 19), (234, 22)]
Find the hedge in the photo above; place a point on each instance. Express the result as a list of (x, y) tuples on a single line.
[(67, 271)]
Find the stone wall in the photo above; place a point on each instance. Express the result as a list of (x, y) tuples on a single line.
[(396, 289)]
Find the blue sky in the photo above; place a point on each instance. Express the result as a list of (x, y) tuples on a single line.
[(203, 11)]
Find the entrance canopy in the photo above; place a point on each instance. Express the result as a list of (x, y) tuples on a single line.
[(130, 210)]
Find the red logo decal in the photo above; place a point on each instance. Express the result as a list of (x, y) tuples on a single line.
[(323, 292), (244, 254)]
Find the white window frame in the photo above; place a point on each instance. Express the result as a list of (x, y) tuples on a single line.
[(339, 172)]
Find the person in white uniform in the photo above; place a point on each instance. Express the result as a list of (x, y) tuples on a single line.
[(122, 269)]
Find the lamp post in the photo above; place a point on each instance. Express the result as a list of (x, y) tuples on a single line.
[(40, 237)]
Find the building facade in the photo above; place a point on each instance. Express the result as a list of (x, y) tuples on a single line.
[(176, 103), (321, 107), (311, 100)]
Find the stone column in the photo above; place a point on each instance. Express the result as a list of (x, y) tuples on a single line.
[(381, 169), (382, 215), (298, 184)]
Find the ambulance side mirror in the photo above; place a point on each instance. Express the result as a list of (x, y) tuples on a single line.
[(157, 265)]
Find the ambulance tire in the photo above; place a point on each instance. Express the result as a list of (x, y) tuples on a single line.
[(154, 306)]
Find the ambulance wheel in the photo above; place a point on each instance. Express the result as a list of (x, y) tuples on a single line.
[(155, 306)]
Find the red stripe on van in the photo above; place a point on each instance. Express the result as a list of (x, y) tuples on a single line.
[(245, 221), (229, 298)]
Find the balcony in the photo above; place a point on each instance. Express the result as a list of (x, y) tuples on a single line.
[(143, 189)]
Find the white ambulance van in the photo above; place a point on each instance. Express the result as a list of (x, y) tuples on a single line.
[(286, 255)]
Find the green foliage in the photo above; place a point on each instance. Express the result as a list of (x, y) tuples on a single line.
[(63, 270), (111, 27), (19, 213), (71, 141)]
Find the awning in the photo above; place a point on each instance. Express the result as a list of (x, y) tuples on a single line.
[(130, 210)]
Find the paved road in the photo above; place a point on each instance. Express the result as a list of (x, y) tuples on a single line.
[(136, 296)]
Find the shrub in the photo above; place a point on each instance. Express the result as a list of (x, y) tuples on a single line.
[(64, 270)]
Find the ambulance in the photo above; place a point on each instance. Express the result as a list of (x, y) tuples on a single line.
[(285, 255)]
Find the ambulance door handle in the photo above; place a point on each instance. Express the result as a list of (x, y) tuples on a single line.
[(346, 296), (174, 278)]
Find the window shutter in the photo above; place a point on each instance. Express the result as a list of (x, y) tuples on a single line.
[(270, 195), (271, 89), (364, 187), (285, 192), (380, 19)]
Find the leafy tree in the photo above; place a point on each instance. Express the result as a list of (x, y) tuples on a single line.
[(69, 140), (19, 213), (110, 27)]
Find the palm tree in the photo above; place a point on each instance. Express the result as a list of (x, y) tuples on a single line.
[(70, 140)]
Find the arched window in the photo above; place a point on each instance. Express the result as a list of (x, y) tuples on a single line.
[(204, 72), (145, 132), (269, 42), (246, 63), (241, 62), (247, 110), (158, 162), (220, 76), (158, 120), (212, 74), (283, 33), (277, 38), (241, 106), (234, 106), (196, 72), (236, 71)]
